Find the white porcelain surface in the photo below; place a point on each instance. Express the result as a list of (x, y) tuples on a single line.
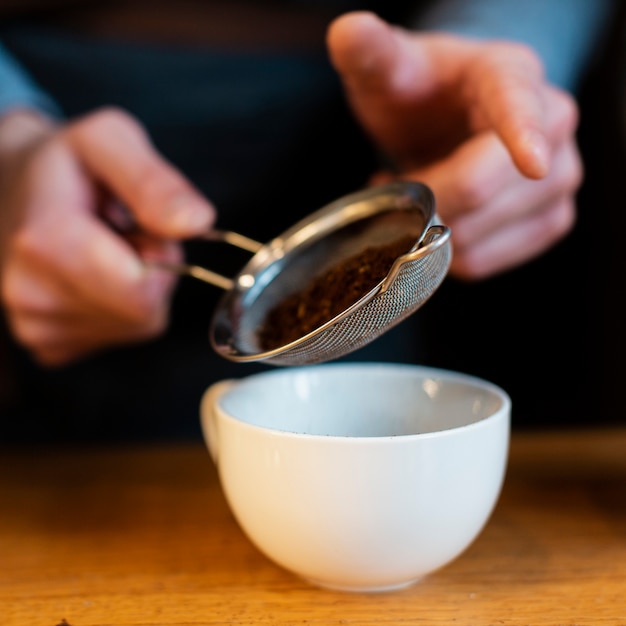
[(362, 477)]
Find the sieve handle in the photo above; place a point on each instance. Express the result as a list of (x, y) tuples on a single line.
[(434, 238), (122, 221), (204, 274)]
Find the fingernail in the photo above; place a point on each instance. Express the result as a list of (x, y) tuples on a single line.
[(539, 153), (131, 267)]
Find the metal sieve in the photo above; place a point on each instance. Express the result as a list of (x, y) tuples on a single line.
[(340, 230)]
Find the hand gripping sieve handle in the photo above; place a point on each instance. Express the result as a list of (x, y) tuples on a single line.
[(119, 217)]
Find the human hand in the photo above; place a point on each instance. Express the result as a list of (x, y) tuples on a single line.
[(69, 284), (478, 123)]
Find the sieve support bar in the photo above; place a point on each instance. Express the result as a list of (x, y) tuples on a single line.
[(234, 239), (204, 274), (196, 271)]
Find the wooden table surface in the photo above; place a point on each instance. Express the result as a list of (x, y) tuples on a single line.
[(142, 536)]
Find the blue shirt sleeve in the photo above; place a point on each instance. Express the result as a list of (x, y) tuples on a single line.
[(18, 90), (565, 33)]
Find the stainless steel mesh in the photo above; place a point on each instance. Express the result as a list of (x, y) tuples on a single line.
[(375, 314), (374, 216)]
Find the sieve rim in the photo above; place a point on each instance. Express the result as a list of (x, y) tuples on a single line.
[(418, 196)]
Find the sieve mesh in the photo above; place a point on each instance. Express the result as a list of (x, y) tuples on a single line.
[(416, 281), (283, 266)]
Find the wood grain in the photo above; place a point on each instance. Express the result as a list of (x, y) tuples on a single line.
[(142, 536)]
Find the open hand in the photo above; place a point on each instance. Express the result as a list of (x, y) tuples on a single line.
[(478, 123), (69, 283)]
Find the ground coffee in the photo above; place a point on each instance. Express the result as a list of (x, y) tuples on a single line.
[(329, 294)]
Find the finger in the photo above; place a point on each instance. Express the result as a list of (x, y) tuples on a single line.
[(59, 344), (505, 84), (369, 54), (501, 83), (521, 198), (476, 172), (384, 74), (481, 169), (93, 266), (61, 239), (53, 320), (117, 151), (519, 242)]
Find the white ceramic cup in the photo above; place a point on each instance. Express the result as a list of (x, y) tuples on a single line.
[(359, 476)]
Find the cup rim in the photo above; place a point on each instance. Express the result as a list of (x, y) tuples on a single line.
[(502, 412)]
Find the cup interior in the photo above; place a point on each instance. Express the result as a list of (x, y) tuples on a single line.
[(363, 400)]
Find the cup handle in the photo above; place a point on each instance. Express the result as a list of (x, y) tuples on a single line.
[(208, 415)]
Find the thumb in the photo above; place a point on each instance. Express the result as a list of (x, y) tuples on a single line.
[(385, 74), (372, 57)]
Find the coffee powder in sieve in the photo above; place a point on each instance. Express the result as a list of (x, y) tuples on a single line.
[(330, 294)]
